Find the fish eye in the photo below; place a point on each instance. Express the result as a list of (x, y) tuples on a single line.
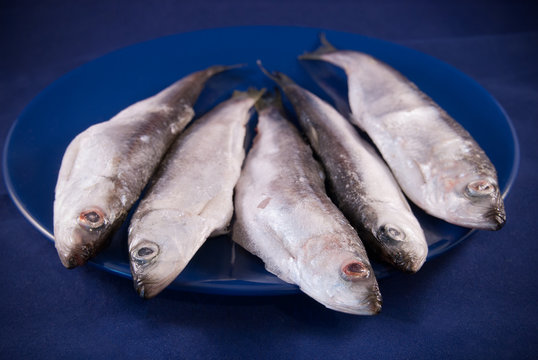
[(91, 219), (391, 232), (355, 271), (480, 188), (145, 252)]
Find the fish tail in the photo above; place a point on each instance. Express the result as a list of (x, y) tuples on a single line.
[(270, 100), (252, 93), (220, 68), (180, 91), (276, 76), (325, 48)]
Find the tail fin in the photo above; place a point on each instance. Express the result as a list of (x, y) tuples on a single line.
[(276, 76), (325, 48), (250, 93), (196, 82), (215, 69), (271, 100)]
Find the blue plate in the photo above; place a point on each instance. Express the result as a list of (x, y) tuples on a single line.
[(100, 89)]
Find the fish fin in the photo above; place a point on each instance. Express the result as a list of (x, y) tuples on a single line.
[(276, 76), (325, 48), (271, 100), (220, 68), (196, 82), (250, 93)]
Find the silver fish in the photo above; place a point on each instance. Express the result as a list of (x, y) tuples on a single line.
[(105, 168), (439, 166), (190, 197), (284, 216), (362, 184)]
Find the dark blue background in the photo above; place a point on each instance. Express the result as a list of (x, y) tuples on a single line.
[(476, 301)]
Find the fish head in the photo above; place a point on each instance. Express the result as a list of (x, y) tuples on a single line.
[(88, 204), (476, 202), (342, 280), (85, 214), (356, 291), (402, 241), (156, 253)]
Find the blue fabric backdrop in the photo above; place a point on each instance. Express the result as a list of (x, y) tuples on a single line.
[(476, 301)]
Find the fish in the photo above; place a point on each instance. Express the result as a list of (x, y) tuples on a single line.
[(105, 168), (284, 216), (190, 196), (362, 185), (437, 163)]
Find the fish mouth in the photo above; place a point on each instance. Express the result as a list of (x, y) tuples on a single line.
[(147, 289), (407, 258), (140, 285), (369, 305), (409, 261), (76, 246), (405, 262), (375, 302), (140, 288), (488, 218), (76, 257), (72, 261), (496, 218), (145, 286)]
